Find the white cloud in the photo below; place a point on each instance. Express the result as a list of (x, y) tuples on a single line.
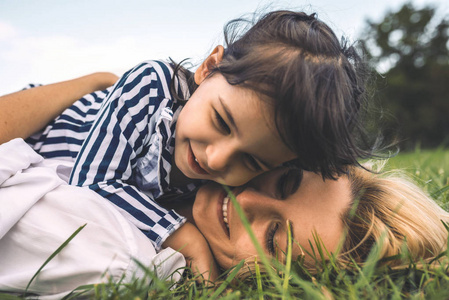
[(47, 59), (6, 31), (55, 58)]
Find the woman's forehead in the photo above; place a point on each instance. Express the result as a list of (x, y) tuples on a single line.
[(317, 209)]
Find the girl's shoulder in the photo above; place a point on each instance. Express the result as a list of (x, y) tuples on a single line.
[(157, 69), (160, 75), (152, 75)]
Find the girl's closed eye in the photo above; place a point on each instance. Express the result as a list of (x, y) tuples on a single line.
[(222, 123), (289, 183), (250, 160), (253, 164), (270, 241)]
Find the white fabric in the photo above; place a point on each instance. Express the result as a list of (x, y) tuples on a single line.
[(39, 211)]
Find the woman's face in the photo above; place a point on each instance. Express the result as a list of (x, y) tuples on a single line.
[(309, 203)]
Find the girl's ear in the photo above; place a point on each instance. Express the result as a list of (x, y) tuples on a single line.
[(208, 64)]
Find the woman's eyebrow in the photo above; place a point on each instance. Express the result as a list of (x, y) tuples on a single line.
[(228, 114)]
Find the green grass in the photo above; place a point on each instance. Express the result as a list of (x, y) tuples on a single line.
[(429, 168)]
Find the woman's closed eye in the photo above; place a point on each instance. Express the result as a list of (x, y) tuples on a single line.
[(270, 241), (289, 182), (222, 123)]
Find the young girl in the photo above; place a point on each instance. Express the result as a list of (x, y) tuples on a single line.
[(284, 90)]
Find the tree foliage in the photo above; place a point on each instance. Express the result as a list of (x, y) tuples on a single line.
[(410, 50)]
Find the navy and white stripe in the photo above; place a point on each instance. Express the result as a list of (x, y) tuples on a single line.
[(63, 137), (125, 154)]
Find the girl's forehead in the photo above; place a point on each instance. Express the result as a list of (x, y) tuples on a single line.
[(261, 106), (253, 104)]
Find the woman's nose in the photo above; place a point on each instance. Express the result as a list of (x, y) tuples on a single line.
[(254, 204)]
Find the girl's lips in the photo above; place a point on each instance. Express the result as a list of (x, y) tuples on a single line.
[(220, 213), (194, 165)]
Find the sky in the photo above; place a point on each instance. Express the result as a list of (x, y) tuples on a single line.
[(47, 41)]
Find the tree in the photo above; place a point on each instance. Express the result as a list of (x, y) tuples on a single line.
[(410, 50)]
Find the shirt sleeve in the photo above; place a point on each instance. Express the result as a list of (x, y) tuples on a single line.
[(118, 138)]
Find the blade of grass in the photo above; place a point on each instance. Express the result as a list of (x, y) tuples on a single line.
[(288, 262), (260, 252), (9, 297), (227, 280), (439, 192), (258, 279), (373, 258), (54, 254), (79, 291)]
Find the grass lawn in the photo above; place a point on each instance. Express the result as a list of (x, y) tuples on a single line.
[(429, 168)]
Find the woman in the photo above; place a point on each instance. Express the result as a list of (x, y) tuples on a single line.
[(105, 243), (311, 204), (349, 215)]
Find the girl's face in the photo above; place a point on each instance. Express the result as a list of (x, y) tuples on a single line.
[(309, 203), (226, 134)]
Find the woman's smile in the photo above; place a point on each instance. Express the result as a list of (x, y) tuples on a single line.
[(225, 210), (222, 211)]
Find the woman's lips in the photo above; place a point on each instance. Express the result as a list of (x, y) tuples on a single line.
[(193, 163)]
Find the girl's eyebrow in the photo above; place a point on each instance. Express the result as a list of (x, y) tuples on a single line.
[(228, 114)]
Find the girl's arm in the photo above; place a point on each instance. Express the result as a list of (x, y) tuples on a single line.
[(125, 134), (25, 112)]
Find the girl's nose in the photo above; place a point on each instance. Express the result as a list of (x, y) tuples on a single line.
[(219, 156)]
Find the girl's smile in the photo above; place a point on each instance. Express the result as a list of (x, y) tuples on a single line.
[(194, 163)]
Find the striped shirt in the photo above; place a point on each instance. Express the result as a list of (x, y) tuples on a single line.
[(122, 141)]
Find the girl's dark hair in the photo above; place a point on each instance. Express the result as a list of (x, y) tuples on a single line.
[(315, 83)]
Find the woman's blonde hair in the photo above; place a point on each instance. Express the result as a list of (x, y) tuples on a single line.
[(389, 209)]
